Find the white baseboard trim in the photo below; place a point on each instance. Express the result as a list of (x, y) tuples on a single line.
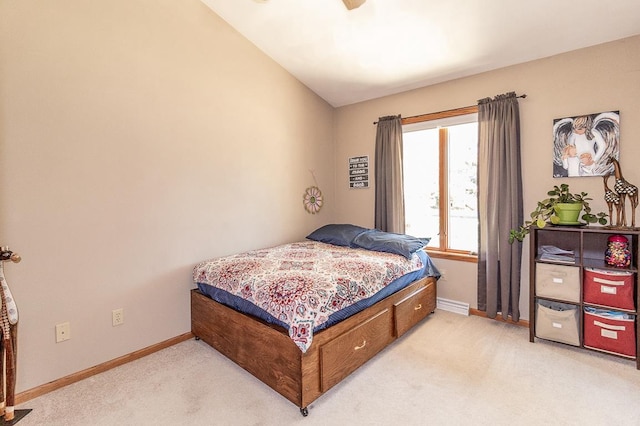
[(452, 306)]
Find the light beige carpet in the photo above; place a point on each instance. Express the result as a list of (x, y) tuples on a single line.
[(450, 370)]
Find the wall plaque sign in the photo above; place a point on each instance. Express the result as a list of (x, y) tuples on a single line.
[(359, 172)]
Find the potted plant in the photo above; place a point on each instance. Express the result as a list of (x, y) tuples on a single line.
[(561, 208)]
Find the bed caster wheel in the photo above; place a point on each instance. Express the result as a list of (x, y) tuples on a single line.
[(304, 411)]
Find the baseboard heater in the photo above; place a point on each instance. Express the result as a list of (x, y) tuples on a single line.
[(452, 306)]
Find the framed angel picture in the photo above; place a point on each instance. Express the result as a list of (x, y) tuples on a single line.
[(582, 145)]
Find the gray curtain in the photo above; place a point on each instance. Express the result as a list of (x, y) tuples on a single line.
[(389, 208), (499, 205)]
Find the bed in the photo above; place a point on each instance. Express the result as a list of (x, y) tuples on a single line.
[(303, 316)]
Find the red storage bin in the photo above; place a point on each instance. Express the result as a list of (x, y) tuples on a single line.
[(609, 288), (610, 334)]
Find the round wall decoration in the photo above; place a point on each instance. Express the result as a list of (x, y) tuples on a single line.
[(312, 199)]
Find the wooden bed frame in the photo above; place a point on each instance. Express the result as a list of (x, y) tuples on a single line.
[(267, 352)]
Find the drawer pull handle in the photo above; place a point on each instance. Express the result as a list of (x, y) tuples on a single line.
[(361, 346), (417, 308)]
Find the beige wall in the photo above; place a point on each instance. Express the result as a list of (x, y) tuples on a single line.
[(137, 138), (601, 78)]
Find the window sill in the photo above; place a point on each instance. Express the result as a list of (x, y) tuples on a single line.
[(461, 257)]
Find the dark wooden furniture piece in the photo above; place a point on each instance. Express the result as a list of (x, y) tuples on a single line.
[(589, 244), (267, 352)]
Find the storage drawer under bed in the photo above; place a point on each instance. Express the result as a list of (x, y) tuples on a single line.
[(413, 308), (344, 354)]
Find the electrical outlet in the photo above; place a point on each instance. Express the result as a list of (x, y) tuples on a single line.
[(117, 317), (63, 332)]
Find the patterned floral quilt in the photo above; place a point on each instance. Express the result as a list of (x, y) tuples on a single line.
[(302, 284)]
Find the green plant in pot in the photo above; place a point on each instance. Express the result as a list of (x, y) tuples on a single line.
[(561, 208)]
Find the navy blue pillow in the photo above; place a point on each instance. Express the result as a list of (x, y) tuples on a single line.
[(337, 234), (402, 244)]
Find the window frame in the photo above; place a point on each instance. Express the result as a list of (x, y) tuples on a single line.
[(443, 251)]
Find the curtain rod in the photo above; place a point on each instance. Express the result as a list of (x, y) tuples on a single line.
[(448, 110)]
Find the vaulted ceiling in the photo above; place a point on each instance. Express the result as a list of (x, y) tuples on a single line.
[(389, 46)]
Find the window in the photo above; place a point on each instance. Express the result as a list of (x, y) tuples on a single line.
[(440, 180)]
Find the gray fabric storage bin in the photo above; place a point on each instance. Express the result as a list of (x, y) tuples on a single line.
[(558, 282), (558, 322)]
